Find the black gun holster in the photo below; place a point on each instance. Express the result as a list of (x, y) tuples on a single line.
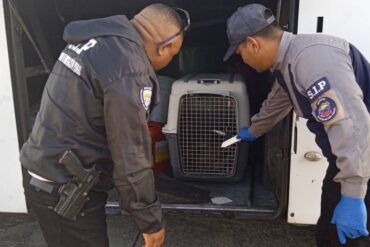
[(74, 194)]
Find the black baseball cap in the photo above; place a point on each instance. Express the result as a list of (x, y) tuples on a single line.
[(245, 22)]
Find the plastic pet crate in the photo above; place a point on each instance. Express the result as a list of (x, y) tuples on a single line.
[(204, 110)]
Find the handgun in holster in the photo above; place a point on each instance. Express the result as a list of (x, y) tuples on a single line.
[(74, 194)]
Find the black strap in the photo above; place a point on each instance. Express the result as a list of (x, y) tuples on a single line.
[(42, 185)]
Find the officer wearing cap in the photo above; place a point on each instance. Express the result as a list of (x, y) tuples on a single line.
[(326, 80), (96, 103)]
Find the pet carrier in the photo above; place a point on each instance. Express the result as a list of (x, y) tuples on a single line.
[(204, 110)]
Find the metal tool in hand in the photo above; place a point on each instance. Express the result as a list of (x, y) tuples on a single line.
[(230, 141)]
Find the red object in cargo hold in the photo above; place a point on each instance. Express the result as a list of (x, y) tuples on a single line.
[(160, 152)]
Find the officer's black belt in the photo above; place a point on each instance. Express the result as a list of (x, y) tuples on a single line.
[(42, 185)]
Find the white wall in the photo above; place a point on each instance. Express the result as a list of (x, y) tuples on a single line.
[(343, 18), (11, 189)]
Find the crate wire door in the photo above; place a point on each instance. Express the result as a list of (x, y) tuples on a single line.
[(201, 116)]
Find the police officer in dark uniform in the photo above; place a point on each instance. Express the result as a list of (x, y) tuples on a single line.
[(96, 103), (326, 80)]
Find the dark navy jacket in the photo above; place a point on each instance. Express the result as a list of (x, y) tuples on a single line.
[(96, 102)]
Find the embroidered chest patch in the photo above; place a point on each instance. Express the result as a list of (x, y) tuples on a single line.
[(146, 97), (326, 109), (317, 89)]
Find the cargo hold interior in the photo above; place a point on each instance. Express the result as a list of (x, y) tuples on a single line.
[(35, 30)]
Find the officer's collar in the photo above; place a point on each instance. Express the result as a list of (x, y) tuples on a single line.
[(283, 47)]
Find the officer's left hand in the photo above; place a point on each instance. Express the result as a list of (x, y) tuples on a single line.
[(350, 217), (154, 239)]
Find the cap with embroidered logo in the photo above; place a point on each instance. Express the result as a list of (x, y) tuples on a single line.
[(246, 21)]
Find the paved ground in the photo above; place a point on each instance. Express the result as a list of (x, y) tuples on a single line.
[(18, 230)]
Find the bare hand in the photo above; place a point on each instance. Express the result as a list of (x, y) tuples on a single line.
[(154, 239)]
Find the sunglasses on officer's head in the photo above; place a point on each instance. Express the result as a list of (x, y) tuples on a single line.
[(184, 15)]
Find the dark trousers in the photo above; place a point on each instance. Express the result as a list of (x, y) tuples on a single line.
[(326, 233), (90, 228)]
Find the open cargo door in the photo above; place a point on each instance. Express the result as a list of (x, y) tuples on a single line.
[(35, 41), (308, 165)]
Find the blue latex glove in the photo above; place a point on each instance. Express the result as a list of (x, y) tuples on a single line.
[(245, 135), (350, 217)]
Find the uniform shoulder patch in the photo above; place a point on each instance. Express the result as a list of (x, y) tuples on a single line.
[(326, 109), (317, 89), (146, 97)]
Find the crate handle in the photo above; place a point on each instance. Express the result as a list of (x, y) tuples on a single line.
[(209, 81), (222, 93)]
